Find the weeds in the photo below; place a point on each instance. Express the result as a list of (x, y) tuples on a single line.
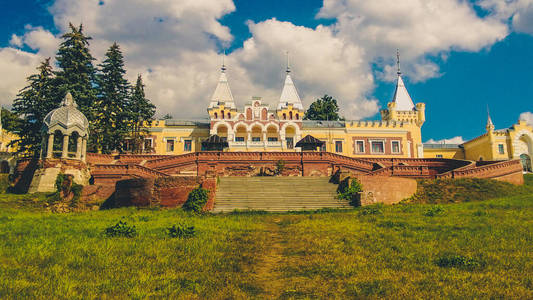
[(460, 262), (121, 229), (434, 211), (181, 231)]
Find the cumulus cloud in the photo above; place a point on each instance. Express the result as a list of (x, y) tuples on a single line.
[(176, 46), (527, 116), (453, 140)]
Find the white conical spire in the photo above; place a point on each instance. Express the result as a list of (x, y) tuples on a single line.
[(490, 125), (222, 94), (289, 94), (401, 96)]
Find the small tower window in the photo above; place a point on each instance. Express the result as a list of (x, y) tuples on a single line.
[(297, 117), (222, 113), (284, 116), (216, 115), (229, 115), (290, 115)]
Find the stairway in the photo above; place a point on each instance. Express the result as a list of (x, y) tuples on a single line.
[(276, 194)]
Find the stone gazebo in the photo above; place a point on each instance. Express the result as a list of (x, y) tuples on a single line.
[(64, 147)]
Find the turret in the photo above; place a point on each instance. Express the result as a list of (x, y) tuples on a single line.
[(289, 105), (222, 105)]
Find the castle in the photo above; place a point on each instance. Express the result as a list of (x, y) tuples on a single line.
[(259, 127)]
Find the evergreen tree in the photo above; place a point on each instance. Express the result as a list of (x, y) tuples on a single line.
[(32, 104), (77, 73), (141, 114), (325, 108), (10, 121), (112, 107)]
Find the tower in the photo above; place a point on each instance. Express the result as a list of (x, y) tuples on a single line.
[(222, 105), (289, 106)]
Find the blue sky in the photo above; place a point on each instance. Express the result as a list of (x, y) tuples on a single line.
[(457, 77)]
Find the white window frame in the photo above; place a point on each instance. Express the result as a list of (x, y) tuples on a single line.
[(502, 148), (399, 147), (166, 144), (356, 148), (185, 143), (151, 142), (372, 150), (335, 145)]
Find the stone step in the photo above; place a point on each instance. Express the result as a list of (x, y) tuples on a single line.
[(276, 194)]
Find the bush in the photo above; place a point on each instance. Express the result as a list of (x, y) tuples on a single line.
[(196, 200), (181, 231), (434, 211), (121, 229), (65, 185), (280, 166), (371, 209), (349, 190), (460, 262)]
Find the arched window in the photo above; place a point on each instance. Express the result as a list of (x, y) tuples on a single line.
[(290, 115), (222, 113), (297, 117), (229, 115), (284, 116), (216, 115)]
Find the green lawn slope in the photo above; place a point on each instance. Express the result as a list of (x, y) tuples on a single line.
[(475, 249)]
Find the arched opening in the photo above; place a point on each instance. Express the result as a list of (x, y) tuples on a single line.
[(222, 114), (229, 115), (222, 131), (257, 133), (290, 133), (290, 115), (4, 167), (284, 116), (526, 162), (241, 134), (272, 133), (73, 143), (58, 144), (297, 117), (216, 115)]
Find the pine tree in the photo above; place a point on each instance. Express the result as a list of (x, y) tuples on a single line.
[(32, 104), (141, 113), (112, 107), (77, 73)]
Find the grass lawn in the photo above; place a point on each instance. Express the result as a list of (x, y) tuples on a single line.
[(463, 250)]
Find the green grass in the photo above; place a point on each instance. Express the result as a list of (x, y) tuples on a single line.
[(464, 250)]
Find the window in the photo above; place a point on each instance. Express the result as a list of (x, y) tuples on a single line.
[(187, 145), (438, 156), (170, 145), (272, 139), (501, 150), (395, 146), (338, 146), (377, 146), (148, 144), (239, 138), (290, 143), (360, 146), (256, 139)]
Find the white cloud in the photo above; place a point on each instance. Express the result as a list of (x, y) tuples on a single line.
[(518, 12), (454, 140), (174, 44), (527, 116)]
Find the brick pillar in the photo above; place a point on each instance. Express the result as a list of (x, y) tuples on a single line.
[(78, 147), (64, 153), (50, 146)]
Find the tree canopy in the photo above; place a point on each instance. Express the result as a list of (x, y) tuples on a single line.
[(324, 108)]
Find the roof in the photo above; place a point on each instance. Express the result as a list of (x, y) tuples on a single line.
[(222, 94), (309, 140), (323, 124), (185, 122), (442, 146), (401, 96), (289, 95), (215, 139), (66, 116)]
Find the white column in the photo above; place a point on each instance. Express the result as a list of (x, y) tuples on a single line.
[(78, 147), (64, 153), (84, 148), (50, 146)]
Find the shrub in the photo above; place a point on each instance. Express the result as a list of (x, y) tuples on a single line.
[(280, 166), (349, 190), (121, 229), (371, 209), (434, 211), (196, 200), (65, 185), (460, 262), (181, 231)]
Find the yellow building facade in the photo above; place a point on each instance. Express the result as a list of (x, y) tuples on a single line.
[(259, 127)]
